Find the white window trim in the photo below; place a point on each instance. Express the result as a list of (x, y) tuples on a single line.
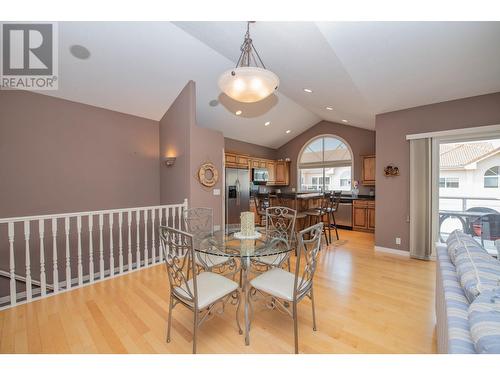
[(342, 163)]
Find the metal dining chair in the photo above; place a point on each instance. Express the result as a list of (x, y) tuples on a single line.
[(280, 224), (198, 221), (203, 291), (282, 288)]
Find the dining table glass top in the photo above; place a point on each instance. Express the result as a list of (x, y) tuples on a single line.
[(224, 243)]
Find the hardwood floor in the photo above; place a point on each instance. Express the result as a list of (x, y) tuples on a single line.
[(366, 302)]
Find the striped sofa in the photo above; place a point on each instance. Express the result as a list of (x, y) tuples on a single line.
[(452, 302)]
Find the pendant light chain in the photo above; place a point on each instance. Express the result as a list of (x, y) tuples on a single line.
[(249, 52)]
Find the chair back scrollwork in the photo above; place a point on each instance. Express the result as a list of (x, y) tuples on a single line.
[(177, 247), (198, 221), (280, 223), (307, 259)]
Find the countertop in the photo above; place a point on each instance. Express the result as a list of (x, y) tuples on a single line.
[(304, 195)]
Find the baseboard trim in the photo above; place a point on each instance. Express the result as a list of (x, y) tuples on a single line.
[(388, 250)]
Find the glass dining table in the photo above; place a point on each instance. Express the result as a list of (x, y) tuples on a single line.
[(223, 243)]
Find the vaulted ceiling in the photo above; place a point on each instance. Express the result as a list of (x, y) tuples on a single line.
[(358, 69)]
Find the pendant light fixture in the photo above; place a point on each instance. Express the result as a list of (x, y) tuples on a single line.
[(249, 81)]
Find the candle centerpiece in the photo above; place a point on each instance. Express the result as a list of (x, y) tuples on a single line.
[(247, 220), (247, 227)]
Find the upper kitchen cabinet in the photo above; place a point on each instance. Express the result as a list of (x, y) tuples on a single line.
[(271, 170), (282, 173), (236, 160), (368, 172)]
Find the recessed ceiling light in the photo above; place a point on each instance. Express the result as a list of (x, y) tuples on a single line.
[(329, 108), (288, 131), (239, 112), (344, 120), (267, 123), (308, 90)]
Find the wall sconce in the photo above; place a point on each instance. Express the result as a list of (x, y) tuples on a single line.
[(169, 162)]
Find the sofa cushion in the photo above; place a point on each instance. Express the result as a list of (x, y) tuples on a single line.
[(484, 319), (477, 271), (456, 244)]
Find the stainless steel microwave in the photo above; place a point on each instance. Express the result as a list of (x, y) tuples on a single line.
[(260, 175)]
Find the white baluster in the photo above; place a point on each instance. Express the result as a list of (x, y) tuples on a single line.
[(146, 252), (91, 249), (68, 260), (138, 253), (179, 218), (80, 267), (153, 250), (12, 265), (129, 220), (43, 278), (111, 255), (101, 249), (160, 219), (28, 262), (120, 244), (55, 271)]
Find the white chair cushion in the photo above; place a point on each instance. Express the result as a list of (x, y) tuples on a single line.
[(211, 260), (272, 260), (276, 282), (211, 287)]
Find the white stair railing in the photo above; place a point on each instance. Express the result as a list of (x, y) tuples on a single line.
[(79, 255)]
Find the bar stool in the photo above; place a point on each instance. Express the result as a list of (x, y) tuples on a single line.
[(317, 215), (334, 207), (261, 201)]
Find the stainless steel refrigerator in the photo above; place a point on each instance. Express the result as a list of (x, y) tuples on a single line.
[(237, 194)]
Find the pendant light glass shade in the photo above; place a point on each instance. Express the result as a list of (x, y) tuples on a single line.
[(248, 84), (250, 81)]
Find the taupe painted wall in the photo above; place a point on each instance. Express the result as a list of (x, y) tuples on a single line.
[(249, 148), (175, 128), (206, 146), (392, 203), (362, 142), (60, 156), (192, 146)]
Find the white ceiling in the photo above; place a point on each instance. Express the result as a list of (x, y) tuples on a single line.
[(359, 69)]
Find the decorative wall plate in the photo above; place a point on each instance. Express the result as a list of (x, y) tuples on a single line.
[(208, 175), (391, 171)]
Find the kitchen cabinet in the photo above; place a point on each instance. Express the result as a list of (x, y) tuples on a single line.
[(278, 170), (282, 173), (271, 170), (371, 217), (236, 161), (368, 171), (363, 215), (258, 163)]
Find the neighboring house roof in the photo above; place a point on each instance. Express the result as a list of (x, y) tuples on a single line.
[(459, 155)]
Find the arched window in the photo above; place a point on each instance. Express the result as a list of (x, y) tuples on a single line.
[(325, 164), (491, 177)]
